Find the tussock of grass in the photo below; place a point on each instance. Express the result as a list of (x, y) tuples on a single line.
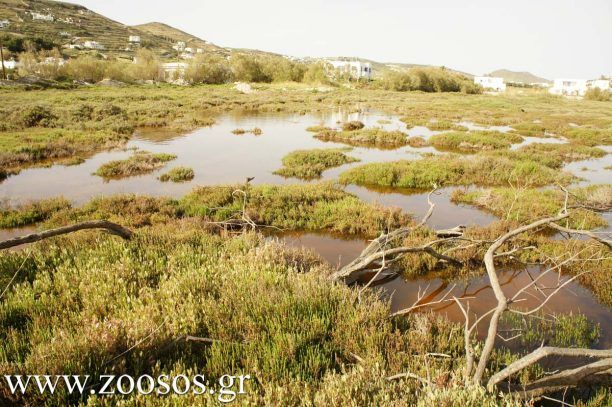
[(526, 205), (18, 148), (374, 137), (529, 129), (473, 141), (178, 174), (432, 124), (30, 213), (140, 163), (416, 141), (317, 129), (454, 170), (352, 125), (589, 136), (319, 206), (255, 131), (552, 155), (309, 164)]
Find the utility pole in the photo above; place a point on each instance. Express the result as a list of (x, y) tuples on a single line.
[(2, 59)]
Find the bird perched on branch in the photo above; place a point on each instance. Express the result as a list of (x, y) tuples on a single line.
[(249, 179)]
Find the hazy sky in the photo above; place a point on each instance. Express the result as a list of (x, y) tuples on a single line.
[(551, 38)]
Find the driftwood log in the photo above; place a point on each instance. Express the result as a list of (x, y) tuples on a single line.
[(110, 227)]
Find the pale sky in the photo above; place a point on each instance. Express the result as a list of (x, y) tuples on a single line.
[(550, 38)]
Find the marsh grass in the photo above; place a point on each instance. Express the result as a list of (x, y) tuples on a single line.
[(417, 142), (352, 125), (526, 205), (474, 141), (313, 207), (453, 170), (83, 302), (89, 118), (310, 164), (178, 174), (30, 213), (372, 137), (141, 162), (317, 129), (255, 131), (552, 155)]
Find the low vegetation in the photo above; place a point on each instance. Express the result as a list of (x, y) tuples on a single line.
[(310, 164), (527, 205), (141, 162), (552, 155), (371, 137), (30, 213), (474, 141), (178, 174), (454, 170), (313, 207), (255, 131), (317, 129), (598, 95), (352, 125), (429, 80)]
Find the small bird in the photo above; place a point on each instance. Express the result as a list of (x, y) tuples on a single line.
[(249, 179)]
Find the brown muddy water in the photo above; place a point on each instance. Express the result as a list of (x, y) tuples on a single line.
[(219, 157)]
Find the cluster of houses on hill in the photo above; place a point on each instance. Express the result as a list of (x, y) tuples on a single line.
[(564, 87)]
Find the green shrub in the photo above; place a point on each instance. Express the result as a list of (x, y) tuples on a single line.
[(30, 213), (352, 125), (309, 164), (209, 69), (454, 170), (598, 94), (178, 174), (140, 163)]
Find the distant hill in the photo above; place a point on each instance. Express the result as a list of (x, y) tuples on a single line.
[(173, 35), (67, 23), (524, 77), (380, 68)]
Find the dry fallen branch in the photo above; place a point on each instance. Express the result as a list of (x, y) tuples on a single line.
[(543, 352), (111, 227)]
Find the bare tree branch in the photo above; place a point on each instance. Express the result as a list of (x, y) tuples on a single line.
[(111, 227)]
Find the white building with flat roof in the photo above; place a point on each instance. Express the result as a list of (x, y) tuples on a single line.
[(603, 84), (491, 82), (569, 87), (42, 17), (4, 23), (134, 39), (10, 64), (356, 69), (93, 45), (174, 70)]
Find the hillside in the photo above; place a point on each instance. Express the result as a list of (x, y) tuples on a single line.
[(67, 23), (524, 77), (173, 35)]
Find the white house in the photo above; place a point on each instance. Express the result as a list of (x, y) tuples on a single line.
[(134, 39), (174, 70), (11, 64), (569, 87), (4, 23), (491, 82), (43, 17), (199, 51), (603, 84), (356, 69), (93, 45), (179, 46)]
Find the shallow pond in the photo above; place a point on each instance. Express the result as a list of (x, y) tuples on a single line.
[(218, 157)]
